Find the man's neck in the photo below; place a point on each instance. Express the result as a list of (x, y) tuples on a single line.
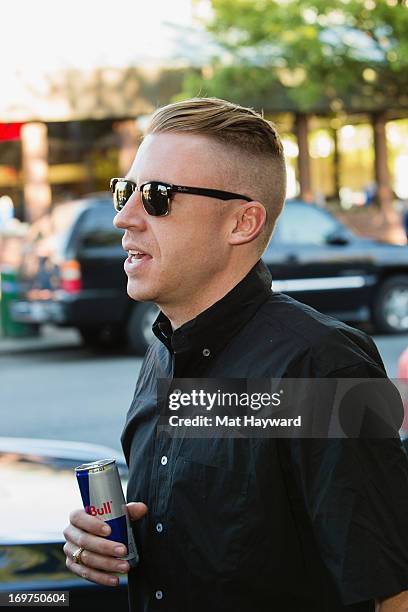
[(181, 313)]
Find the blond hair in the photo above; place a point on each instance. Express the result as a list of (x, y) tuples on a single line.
[(246, 133)]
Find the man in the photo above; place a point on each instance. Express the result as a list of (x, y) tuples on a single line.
[(239, 524)]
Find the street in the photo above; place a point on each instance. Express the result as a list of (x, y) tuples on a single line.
[(64, 391), (52, 387)]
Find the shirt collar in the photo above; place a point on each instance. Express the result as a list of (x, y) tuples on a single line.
[(211, 330)]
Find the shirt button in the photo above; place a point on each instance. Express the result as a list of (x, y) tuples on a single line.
[(206, 352), (163, 460), (159, 594), (159, 527)]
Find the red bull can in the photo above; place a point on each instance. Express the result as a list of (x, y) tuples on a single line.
[(102, 496)]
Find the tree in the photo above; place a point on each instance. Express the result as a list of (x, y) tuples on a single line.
[(308, 55)]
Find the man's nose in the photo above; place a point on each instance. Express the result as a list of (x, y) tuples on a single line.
[(131, 215)]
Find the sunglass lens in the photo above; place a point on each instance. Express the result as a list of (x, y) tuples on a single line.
[(123, 191), (155, 199)]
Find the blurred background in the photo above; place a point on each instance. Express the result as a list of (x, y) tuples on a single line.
[(78, 86), (79, 83)]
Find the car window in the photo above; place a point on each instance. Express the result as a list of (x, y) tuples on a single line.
[(97, 229), (303, 224), (63, 216)]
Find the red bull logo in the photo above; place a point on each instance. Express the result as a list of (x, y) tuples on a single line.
[(95, 511)]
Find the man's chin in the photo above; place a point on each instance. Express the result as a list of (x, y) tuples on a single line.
[(140, 293)]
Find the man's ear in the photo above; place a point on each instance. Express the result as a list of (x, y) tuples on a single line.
[(250, 219)]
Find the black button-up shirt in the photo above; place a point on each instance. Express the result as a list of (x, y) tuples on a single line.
[(262, 525)]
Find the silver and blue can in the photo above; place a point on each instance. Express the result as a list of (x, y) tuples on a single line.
[(102, 496)]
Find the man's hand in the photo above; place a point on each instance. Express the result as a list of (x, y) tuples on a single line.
[(99, 560)]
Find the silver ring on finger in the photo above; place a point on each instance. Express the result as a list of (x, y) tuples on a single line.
[(76, 555)]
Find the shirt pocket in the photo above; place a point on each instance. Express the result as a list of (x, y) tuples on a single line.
[(207, 511)]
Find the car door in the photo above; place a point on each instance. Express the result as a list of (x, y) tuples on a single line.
[(314, 258)]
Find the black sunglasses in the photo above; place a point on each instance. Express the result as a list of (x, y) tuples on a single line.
[(156, 196)]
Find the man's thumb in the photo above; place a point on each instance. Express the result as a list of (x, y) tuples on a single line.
[(136, 510)]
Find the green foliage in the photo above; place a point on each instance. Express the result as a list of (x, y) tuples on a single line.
[(310, 55)]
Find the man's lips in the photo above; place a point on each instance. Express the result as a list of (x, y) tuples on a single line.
[(134, 256), (136, 261), (135, 251)]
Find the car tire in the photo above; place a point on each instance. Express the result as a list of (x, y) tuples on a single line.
[(101, 337), (139, 327), (390, 308)]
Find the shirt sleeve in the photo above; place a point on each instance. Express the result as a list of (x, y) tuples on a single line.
[(355, 493)]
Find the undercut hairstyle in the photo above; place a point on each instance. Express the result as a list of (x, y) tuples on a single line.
[(244, 133)]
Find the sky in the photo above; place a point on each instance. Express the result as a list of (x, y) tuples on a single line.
[(51, 34), (42, 40)]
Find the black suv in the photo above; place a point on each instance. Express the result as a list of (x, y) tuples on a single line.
[(72, 273)]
